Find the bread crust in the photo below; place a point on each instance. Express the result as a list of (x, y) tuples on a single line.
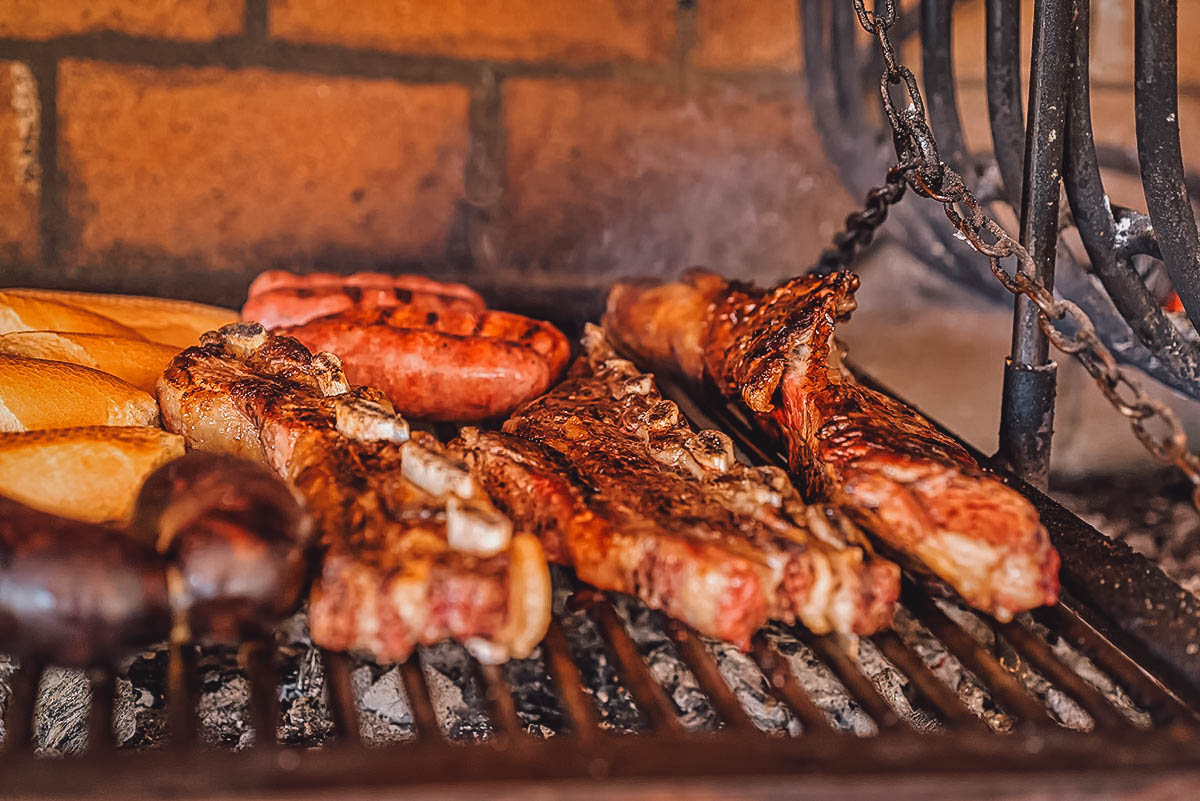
[(39, 393), (137, 361), (171, 322), (90, 473)]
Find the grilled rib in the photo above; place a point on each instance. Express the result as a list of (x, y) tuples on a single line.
[(414, 552), (904, 481), (619, 486)]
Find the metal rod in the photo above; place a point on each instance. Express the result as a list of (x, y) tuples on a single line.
[(258, 660), (949, 707), (787, 689), (938, 76), (1004, 93), (416, 688), (1038, 654), (497, 695), (339, 688), (861, 688), (578, 707), (19, 729), (181, 695), (101, 736), (647, 693), (708, 675), (1003, 687), (1096, 221), (1157, 104), (1027, 412), (1146, 692)]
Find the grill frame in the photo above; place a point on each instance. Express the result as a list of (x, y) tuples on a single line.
[(1103, 580)]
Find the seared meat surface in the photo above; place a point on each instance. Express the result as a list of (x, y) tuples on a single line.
[(433, 348), (414, 552), (904, 481), (618, 485), (453, 364)]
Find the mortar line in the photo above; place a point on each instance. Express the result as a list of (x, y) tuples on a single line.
[(51, 210)]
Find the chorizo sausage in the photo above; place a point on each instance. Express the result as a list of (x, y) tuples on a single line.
[(455, 366), (277, 298)]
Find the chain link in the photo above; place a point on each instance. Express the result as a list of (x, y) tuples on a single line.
[(919, 166)]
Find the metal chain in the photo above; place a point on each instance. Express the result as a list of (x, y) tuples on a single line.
[(919, 165)]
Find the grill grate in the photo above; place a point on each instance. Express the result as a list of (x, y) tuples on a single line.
[(961, 744)]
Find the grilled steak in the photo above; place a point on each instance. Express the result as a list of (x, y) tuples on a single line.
[(452, 364), (414, 552), (903, 480), (619, 486)]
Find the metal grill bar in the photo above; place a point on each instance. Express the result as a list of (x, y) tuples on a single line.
[(647, 693), (708, 674), (1163, 707), (938, 71), (1094, 218), (1005, 108), (258, 661), (1157, 111), (181, 695), (416, 689), (340, 690), (945, 702), (578, 708), (1006, 689), (101, 737), (1035, 651), (858, 685), (787, 689), (502, 712), (19, 730)]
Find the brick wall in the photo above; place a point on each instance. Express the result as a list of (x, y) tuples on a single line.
[(180, 146)]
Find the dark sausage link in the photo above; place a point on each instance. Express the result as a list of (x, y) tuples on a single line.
[(76, 594), (236, 541)]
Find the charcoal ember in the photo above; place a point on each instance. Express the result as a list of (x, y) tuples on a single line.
[(844, 713), (303, 706), (61, 716), (534, 695), (385, 716), (645, 629), (1061, 707), (222, 709), (615, 708), (7, 668), (951, 672), (1088, 671), (457, 698), (894, 686), (750, 685), (140, 710)]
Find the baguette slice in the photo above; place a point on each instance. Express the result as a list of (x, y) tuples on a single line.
[(37, 393), (92, 473), (172, 322), (21, 312), (134, 360)]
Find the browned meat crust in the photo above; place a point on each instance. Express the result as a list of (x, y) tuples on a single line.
[(452, 364), (386, 508), (903, 480), (618, 485)]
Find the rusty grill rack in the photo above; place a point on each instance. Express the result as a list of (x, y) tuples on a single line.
[(1122, 613), (1124, 247)]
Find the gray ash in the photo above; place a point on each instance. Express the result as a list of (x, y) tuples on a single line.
[(385, 716)]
